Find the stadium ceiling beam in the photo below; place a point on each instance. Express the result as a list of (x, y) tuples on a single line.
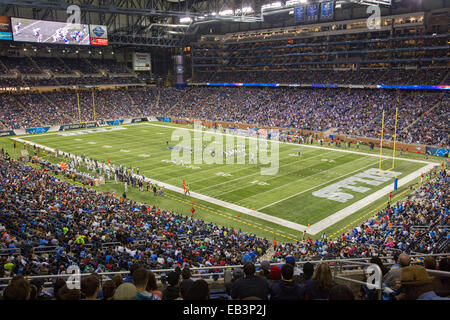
[(128, 7), (144, 41)]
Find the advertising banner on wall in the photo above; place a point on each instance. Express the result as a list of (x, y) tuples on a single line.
[(440, 152), (141, 61), (5, 28), (37, 130), (98, 35)]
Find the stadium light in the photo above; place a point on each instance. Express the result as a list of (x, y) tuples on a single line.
[(185, 20), (227, 12), (272, 5), (245, 10), (294, 2)]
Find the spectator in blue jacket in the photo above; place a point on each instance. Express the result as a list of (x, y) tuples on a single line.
[(287, 288)]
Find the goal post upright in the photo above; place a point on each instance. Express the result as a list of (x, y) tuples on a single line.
[(381, 141), (78, 103), (395, 138), (93, 101)]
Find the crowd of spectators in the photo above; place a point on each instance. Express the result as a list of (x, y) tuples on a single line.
[(101, 232), (44, 211), (422, 116), (364, 76)]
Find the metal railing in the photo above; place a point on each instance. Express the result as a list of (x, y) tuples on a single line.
[(338, 266)]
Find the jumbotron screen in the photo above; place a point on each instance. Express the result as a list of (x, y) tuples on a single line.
[(28, 30)]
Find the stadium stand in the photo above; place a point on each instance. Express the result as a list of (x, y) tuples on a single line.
[(52, 220), (51, 223)]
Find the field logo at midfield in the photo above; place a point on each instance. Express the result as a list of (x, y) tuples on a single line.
[(211, 147), (373, 177)]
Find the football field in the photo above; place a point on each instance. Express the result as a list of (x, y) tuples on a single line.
[(318, 187)]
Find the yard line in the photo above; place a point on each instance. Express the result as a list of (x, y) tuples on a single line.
[(359, 169), (286, 183), (215, 168), (304, 177), (296, 144), (225, 182)]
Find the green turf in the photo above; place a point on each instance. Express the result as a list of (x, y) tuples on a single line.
[(295, 181)]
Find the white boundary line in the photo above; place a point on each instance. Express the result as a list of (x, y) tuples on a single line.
[(290, 143), (314, 229)]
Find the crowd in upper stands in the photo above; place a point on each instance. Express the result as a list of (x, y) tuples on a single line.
[(363, 76), (422, 116)]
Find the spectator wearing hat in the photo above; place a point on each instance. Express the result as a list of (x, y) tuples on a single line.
[(230, 279), (265, 270), (391, 278), (126, 291), (274, 276), (287, 288), (297, 271), (251, 285), (416, 284), (172, 292)]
